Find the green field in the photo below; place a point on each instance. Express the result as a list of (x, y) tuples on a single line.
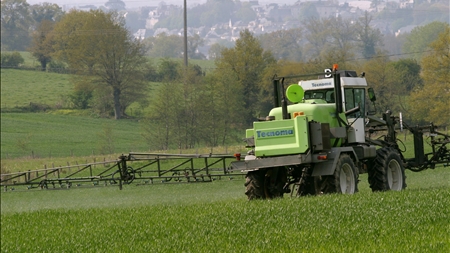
[(206, 217), (47, 135), (19, 88)]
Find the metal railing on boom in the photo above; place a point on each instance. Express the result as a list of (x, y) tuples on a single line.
[(139, 168)]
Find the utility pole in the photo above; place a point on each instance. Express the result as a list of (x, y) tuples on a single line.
[(185, 36)]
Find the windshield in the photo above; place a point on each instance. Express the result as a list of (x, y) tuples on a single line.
[(327, 95)]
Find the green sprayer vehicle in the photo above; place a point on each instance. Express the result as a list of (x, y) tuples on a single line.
[(317, 144), (320, 142)]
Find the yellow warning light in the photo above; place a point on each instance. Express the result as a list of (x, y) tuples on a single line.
[(335, 67)]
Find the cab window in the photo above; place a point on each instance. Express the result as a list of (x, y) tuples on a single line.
[(355, 97)]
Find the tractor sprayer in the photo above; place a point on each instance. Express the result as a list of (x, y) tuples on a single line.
[(316, 140), (321, 141)]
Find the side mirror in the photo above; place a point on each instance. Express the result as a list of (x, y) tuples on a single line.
[(372, 98), (371, 93)]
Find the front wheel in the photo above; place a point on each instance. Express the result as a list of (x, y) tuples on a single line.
[(387, 171), (344, 179)]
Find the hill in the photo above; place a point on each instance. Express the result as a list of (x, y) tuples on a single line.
[(49, 135), (19, 88)]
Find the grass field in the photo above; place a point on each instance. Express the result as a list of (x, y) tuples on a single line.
[(205, 217), (20, 87), (48, 135)]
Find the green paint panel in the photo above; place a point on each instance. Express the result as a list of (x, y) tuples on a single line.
[(281, 137), (249, 133)]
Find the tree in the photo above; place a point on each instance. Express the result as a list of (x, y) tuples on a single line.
[(419, 39), (407, 72), (217, 11), (165, 46), (334, 40), (115, 5), (393, 82), (246, 62), (245, 13), (11, 60), (283, 44), (172, 46), (212, 12), (380, 76), (97, 44), (46, 11), (168, 70), (44, 16), (342, 37), (223, 104), (42, 43), (173, 21), (190, 129), (159, 125), (194, 43), (175, 112), (215, 50), (15, 25), (308, 11), (430, 11), (330, 40), (431, 102), (317, 36), (368, 37)]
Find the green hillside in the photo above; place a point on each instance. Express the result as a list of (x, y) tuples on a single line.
[(19, 88), (45, 135), (60, 132), (52, 134)]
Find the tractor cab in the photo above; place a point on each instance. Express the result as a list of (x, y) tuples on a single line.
[(352, 92), (353, 89)]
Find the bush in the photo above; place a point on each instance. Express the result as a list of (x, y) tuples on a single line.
[(37, 107), (151, 74), (57, 67), (82, 94), (11, 60)]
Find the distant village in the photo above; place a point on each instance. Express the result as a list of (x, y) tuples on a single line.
[(273, 17)]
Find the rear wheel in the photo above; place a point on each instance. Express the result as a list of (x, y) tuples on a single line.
[(265, 184), (344, 179), (254, 183), (387, 171)]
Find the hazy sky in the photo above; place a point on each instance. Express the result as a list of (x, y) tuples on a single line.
[(137, 3)]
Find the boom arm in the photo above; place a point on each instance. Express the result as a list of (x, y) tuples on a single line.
[(440, 152)]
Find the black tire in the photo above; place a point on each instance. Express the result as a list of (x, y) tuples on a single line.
[(308, 187), (387, 171), (265, 184), (254, 183), (344, 179)]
